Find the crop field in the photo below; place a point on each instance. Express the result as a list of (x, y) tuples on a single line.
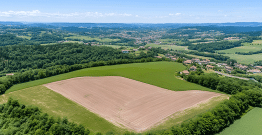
[(161, 74), (245, 59), (249, 124), (127, 102), (174, 47), (89, 38)]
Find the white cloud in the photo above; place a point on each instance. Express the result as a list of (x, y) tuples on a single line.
[(37, 13), (176, 14)]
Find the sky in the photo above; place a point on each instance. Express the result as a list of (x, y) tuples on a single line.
[(131, 11)]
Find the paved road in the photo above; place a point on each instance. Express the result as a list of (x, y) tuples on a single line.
[(232, 76)]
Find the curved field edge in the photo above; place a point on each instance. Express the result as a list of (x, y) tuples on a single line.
[(178, 117), (58, 106), (161, 74), (249, 124)]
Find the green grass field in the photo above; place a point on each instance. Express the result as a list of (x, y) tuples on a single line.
[(247, 47), (161, 74), (245, 59), (249, 124), (57, 105), (257, 42), (174, 47)]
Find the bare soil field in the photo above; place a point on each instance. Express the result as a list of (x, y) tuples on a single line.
[(126, 102)]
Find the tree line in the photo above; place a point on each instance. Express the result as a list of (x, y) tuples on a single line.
[(212, 47), (246, 95), (249, 53), (18, 119), (35, 74), (224, 84), (212, 55), (16, 58)]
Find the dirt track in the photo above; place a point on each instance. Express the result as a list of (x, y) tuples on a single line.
[(120, 100)]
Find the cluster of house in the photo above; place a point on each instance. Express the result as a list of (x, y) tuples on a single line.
[(232, 38), (255, 69)]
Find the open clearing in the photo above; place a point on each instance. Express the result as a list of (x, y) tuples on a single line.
[(249, 124), (245, 59), (247, 47), (127, 102), (161, 74)]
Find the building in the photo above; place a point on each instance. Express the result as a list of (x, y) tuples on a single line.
[(125, 51), (193, 68), (9, 74), (254, 71), (258, 67), (173, 59), (187, 62), (243, 67), (209, 67), (158, 57), (185, 72), (196, 60)]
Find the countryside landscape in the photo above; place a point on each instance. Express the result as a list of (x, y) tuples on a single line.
[(141, 69)]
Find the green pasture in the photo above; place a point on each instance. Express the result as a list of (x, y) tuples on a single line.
[(57, 105), (174, 47), (249, 124), (247, 47), (245, 59), (89, 38), (257, 42), (161, 74)]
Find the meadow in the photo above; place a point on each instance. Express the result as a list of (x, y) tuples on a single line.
[(245, 59), (161, 74), (247, 47), (249, 124), (174, 47)]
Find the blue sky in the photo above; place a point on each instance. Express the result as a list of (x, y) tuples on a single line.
[(134, 11)]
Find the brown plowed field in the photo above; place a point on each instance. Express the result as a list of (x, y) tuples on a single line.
[(120, 100)]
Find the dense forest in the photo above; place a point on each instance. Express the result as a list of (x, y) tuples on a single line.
[(9, 39), (15, 58), (18, 119), (212, 47)]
